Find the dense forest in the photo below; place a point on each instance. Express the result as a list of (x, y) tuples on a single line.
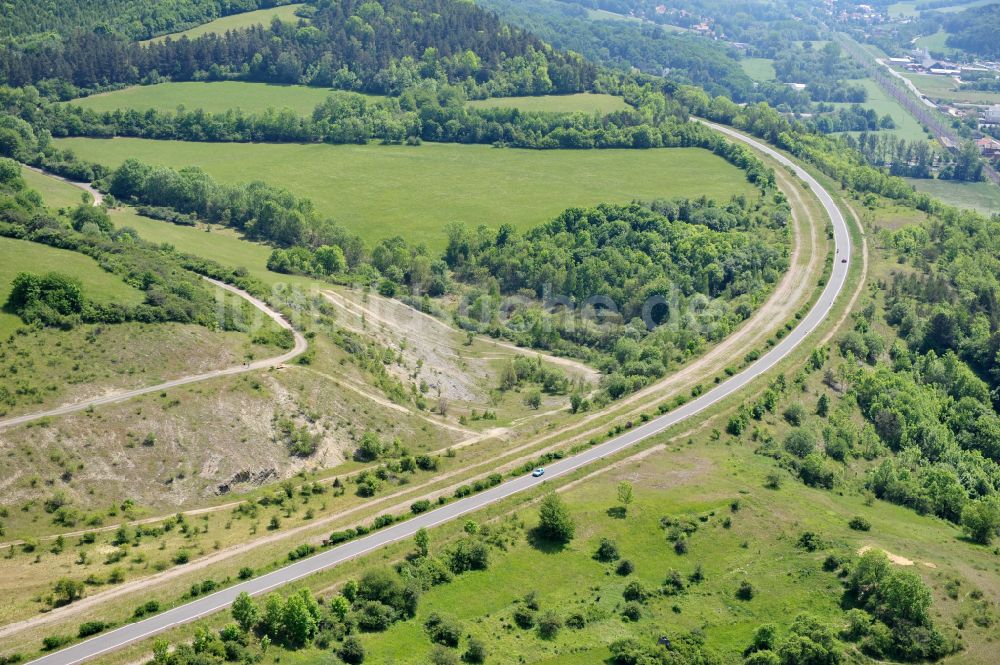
[(823, 70), (934, 398), (682, 57), (633, 289), (366, 46), (974, 30), (27, 22)]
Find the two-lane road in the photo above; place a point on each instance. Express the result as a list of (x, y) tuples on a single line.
[(222, 599)]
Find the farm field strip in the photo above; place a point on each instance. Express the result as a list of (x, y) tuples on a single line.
[(379, 191), (263, 17), (211, 97)]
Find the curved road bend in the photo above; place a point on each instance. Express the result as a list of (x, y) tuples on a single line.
[(266, 363), (206, 605)]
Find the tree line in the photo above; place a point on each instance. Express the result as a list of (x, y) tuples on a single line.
[(425, 113)]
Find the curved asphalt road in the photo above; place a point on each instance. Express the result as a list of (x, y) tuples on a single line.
[(331, 557), (299, 348)]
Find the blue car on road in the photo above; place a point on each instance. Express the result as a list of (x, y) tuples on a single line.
[(537, 473)]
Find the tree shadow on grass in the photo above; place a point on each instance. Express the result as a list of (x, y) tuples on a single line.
[(541, 542), (617, 512)]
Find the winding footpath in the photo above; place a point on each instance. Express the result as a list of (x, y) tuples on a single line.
[(220, 600), (266, 363)]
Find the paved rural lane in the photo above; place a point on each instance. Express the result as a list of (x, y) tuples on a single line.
[(266, 363), (206, 605)]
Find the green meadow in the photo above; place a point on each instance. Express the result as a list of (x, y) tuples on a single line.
[(20, 255), (743, 531), (238, 21), (907, 126), (981, 196), (214, 242), (211, 96), (912, 8), (584, 101), (759, 69), (55, 193), (946, 89), (381, 191), (605, 15), (936, 43)]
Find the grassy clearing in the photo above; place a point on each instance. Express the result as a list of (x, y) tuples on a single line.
[(907, 126), (238, 21), (210, 96), (380, 191), (211, 241), (909, 9), (21, 255), (759, 69), (893, 216), (55, 193), (945, 88), (694, 479), (936, 43), (981, 196), (605, 15), (584, 101)]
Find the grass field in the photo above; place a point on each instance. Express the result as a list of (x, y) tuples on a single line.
[(215, 242), (214, 97), (890, 215), (759, 69), (981, 196), (906, 125), (909, 9), (55, 192), (584, 101), (936, 43), (237, 21), (21, 255), (380, 191), (605, 15), (945, 88)]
